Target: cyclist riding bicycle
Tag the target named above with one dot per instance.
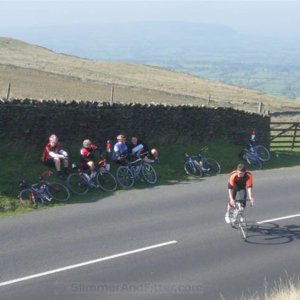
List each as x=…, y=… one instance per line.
x=240, y=180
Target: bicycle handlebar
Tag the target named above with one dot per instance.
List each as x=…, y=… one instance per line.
x=135, y=161
x=143, y=154
x=202, y=150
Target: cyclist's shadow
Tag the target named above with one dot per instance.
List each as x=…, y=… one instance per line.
x=272, y=233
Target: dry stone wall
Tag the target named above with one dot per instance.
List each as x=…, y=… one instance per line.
x=160, y=124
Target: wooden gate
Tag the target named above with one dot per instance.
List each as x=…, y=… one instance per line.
x=285, y=135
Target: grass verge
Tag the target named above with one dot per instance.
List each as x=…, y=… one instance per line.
x=22, y=161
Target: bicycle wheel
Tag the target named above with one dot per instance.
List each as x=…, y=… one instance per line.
x=77, y=184
x=262, y=152
x=242, y=225
x=192, y=169
x=253, y=161
x=232, y=216
x=106, y=181
x=124, y=177
x=211, y=167
x=243, y=154
x=149, y=173
x=58, y=192
x=29, y=199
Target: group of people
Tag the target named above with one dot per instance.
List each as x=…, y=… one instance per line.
x=55, y=157
x=123, y=151
x=240, y=180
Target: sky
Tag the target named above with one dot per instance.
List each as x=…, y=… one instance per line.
x=263, y=17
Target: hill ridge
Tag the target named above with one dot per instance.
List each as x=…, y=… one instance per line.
x=23, y=59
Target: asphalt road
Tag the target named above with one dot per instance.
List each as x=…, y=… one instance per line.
x=166, y=242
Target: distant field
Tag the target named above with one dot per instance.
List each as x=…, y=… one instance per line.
x=274, y=79
x=38, y=73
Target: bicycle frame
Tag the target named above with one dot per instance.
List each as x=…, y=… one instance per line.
x=41, y=191
x=255, y=154
x=238, y=220
x=38, y=191
x=90, y=182
x=252, y=150
x=136, y=168
x=194, y=163
x=200, y=164
x=129, y=174
x=41, y=188
x=203, y=161
x=80, y=182
x=252, y=158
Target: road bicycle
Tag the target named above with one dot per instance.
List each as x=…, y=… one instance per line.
x=38, y=194
x=255, y=155
x=197, y=165
x=134, y=171
x=238, y=219
x=80, y=182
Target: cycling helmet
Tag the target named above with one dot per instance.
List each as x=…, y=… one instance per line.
x=53, y=139
x=154, y=152
x=86, y=143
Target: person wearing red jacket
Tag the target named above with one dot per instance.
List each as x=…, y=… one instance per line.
x=240, y=180
x=87, y=156
x=54, y=156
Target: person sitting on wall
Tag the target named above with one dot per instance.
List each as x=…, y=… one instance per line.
x=54, y=156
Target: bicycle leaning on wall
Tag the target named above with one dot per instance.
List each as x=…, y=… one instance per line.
x=80, y=182
x=255, y=155
x=134, y=171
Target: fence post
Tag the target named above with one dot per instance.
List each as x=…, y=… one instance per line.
x=112, y=94
x=294, y=137
x=8, y=92
x=259, y=107
x=208, y=101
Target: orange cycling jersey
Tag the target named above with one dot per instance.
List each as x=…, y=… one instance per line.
x=240, y=182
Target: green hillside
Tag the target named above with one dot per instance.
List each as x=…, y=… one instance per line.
x=38, y=73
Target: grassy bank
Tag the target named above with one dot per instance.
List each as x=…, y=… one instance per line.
x=22, y=161
x=19, y=160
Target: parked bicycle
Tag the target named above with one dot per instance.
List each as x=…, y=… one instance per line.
x=134, y=171
x=197, y=165
x=80, y=182
x=238, y=219
x=255, y=155
x=38, y=194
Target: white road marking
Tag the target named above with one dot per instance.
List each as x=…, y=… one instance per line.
x=277, y=219
x=86, y=263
